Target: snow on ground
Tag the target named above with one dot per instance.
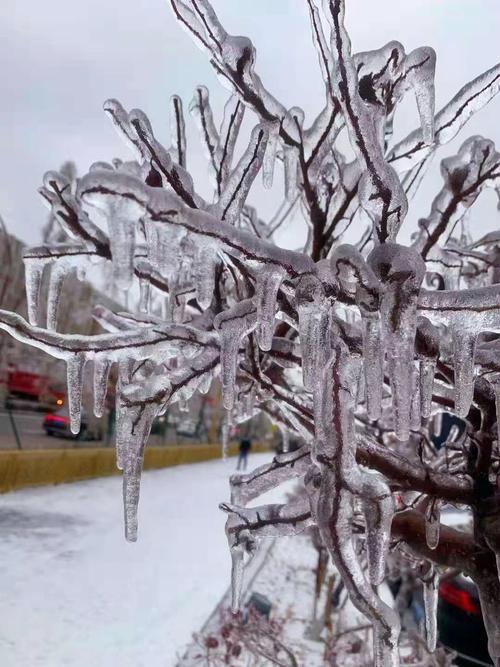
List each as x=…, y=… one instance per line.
x=74, y=593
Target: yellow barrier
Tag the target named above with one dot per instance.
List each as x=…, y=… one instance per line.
x=19, y=469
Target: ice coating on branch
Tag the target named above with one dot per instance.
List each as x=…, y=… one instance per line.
x=245, y=527
x=386, y=74
x=239, y=182
x=231, y=123
x=291, y=155
x=246, y=487
x=340, y=478
x=430, y=590
x=465, y=175
x=75, y=366
x=378, y=509
x=266, y=293
x=232, y=326
x=380, y=192
x=401, y=271
x=178, y=130
x=201, y=110
x=449, y=120
x=314, y=328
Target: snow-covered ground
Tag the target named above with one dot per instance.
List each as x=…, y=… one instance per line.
x=74, y=593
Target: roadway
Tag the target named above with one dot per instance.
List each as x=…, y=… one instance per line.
x=74, y=593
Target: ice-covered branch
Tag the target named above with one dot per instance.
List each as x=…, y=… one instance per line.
x=449, y=120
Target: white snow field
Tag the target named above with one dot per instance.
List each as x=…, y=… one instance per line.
x=74, y=593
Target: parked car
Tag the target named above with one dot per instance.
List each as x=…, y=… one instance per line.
x=460, y=622
x=57, y=424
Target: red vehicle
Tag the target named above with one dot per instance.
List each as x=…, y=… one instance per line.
x=32, y=386
x=57, y=424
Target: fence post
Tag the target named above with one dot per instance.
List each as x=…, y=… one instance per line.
x=14, y=428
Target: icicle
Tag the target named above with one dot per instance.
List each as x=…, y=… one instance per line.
x=237, y=565
x=401, y=270
x=432, y=523
x=314, y=329
x=152, y=233
x=291, y=173
x=57, y=273
x=135, y=431
x=205, y=383
x=361, y=390
x=293, y=123
x=464, y=344
x=144, y=294
x=496, y=389
x=81, y=273
x=415, y=416
x=101, y=373
x=230, y=345
x=204, y=275
x=121, y=432
x=122, y=241
x=427, y=370
x=233, y=325
x=169, y=253
x=183, y=405
x=33, y=269
x=431, y=586
x=266, y=293
x=250, y=401
x=269, y=160
x=75, y=365
x=373, y=358
x=285, y=439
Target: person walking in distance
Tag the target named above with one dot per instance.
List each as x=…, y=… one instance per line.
x=245, y=447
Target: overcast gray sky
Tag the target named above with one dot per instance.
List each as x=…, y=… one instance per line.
x=61, y=59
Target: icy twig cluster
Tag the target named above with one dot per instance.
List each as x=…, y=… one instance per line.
x=353, y=348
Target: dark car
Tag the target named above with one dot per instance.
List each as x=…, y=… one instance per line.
x=57, y=424
x=460, y=622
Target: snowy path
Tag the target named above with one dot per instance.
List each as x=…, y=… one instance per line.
x=74, y=593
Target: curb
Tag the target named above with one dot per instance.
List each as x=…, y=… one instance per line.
x=22, y=469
